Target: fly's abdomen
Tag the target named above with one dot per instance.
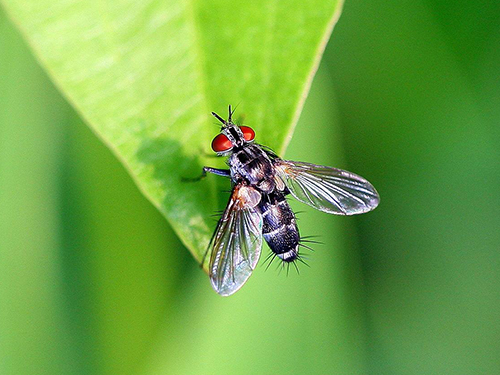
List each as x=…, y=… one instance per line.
x=279, y=226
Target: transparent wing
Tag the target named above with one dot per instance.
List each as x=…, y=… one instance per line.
x=237, y=241
x=327, y=189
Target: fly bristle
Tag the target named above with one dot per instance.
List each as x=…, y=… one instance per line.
x=284, y=264
x=302, y=259
x=309, y=237
x=281, y=266
x=305, y=246
x=296, y=215
x=269, y=259
x=311, y=241
x=217, y=214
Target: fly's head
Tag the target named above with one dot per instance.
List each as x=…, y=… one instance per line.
x=231, y=136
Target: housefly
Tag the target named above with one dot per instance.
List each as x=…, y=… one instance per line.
x=258, y=208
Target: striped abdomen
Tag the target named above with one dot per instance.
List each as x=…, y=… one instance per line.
x=279, y=226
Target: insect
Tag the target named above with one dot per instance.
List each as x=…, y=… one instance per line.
x=258, y=208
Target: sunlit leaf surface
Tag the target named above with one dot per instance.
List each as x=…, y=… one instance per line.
x=146, y=74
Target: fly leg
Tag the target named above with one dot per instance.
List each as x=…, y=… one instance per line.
x=217, y=171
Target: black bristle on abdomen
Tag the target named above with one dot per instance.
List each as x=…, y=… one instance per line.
x=280, y=227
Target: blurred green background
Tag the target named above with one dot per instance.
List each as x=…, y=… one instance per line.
x=94, y=281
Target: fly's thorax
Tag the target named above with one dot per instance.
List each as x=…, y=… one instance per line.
x=253, y=165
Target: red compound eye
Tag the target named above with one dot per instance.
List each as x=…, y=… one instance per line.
x=248, y=133
x=221, y=143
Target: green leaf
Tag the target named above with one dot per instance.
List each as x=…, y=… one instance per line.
x=146, y=74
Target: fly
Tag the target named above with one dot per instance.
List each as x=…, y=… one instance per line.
x=258, y=208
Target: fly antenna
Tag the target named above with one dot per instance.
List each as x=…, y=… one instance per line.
x=220, y=118
x=230, y=118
